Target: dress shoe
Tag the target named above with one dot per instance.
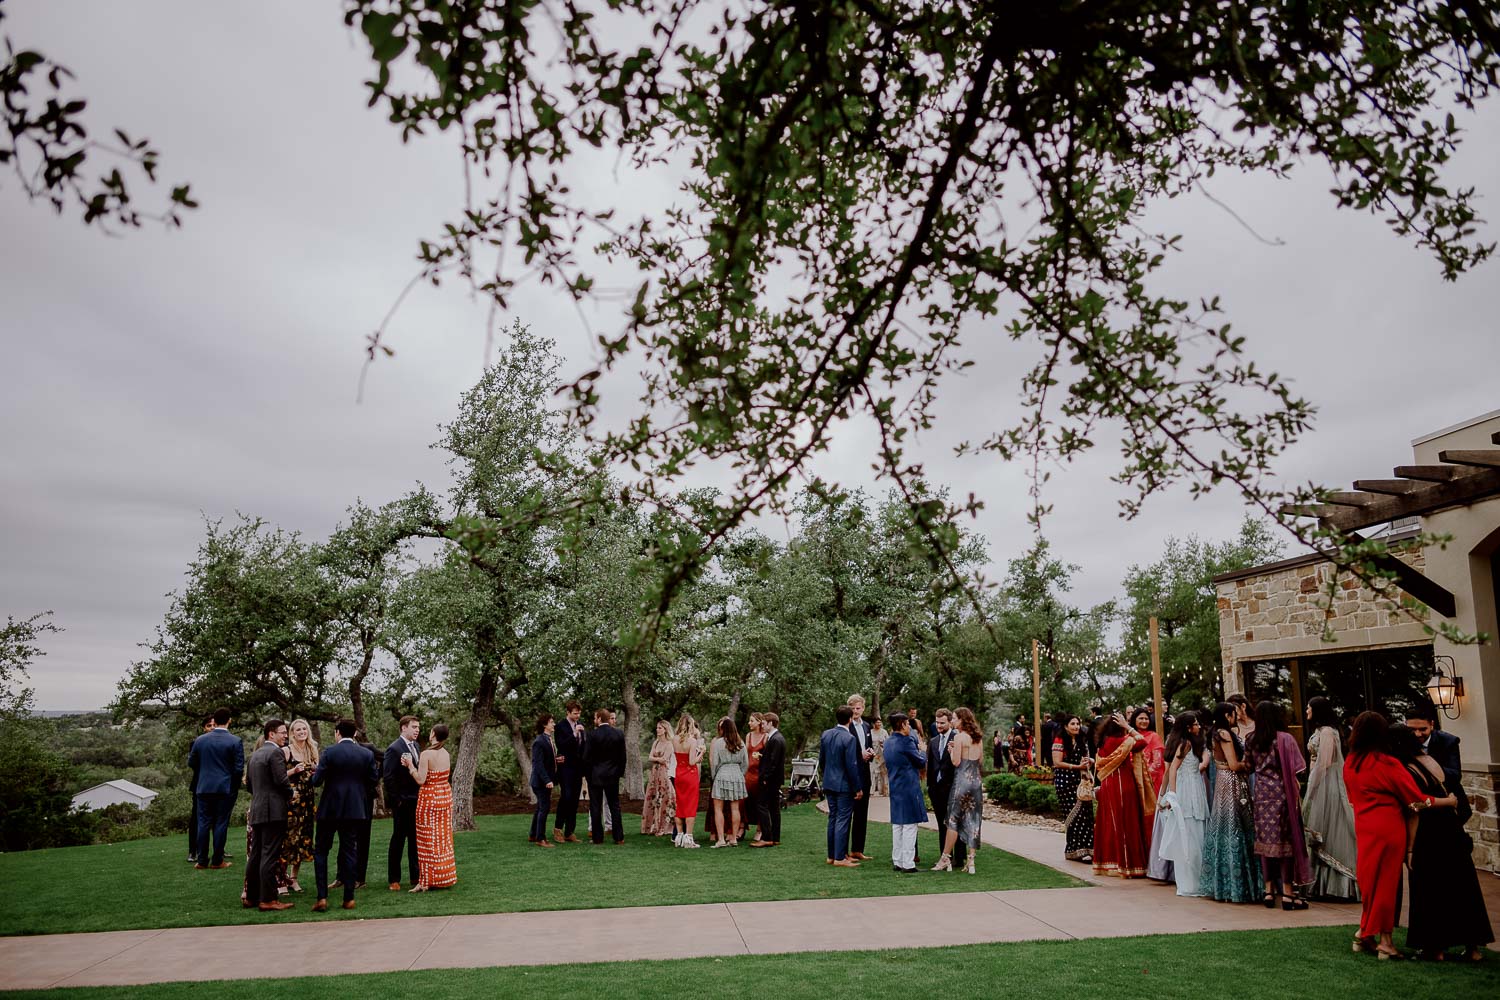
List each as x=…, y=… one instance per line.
x=544, y=843
x=761, y=843
x=846, y=863
x=571, y=839
x=860, y=856
x=348, y=904
x=201, y=868
x=321, y=906
x=395, y=886
x=557, y=834
x=271, y=907
x=221, y=864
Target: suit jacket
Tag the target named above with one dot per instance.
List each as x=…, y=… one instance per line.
x=604, y=754
x=569, y=748
x=370, y=793
x=400, y=786
x=940, y=767
x=218, y=760
x=348, y=775
x=270, y=789
x=543, y=763
x=905, y=764
x=1443, y=748
x=863, y=728
x=773, y=761
x=838, y=759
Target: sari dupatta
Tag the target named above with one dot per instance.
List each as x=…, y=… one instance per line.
x=1289, y=759
x=1126, y=754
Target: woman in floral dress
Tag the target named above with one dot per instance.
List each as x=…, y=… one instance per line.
x=298, y=846
x=661, y=800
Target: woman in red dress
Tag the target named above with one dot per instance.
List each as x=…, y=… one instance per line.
x=1382, y=793
x=1155, y=751
x=435, y=864
x=1125, y=801
x=687, y=745
x=755, y=742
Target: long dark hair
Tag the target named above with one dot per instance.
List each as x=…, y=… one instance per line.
x=1063, y=734
x=731, y=734
x=1108, y=727
x=1320, y=713
x=1367, y=736
x=1401, y=743
x=1180, y=737
x=1269, y=721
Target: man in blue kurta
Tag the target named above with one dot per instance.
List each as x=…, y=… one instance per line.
x=905, y=767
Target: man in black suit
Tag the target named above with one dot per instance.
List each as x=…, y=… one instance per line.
x=362, y=856
x=401, y=799
x=604, y=762
x=940, y=772
x=208, y=725
x=218, y=760
x=347, y=773
x=571, y=741
x=270, y=798
x=860, y=821
x=1443, y=749
x=772, y=777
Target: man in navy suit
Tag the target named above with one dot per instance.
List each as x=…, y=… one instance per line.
x=571, y=740
x=860, y=818
x=401, y=799
x=604, y=758
x=838, y=760
x=208, y=725
x=348, y=773
x=218, y=760
x=1443, y=749
x=940, y=773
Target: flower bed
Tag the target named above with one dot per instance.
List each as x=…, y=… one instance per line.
x=1022, y=792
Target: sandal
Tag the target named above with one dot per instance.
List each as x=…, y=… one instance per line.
x=1364, y=945
x=1389, y=956
x=419, y=887
x=1292, y=903
x=1269, y=900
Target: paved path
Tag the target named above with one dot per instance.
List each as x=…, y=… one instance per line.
x=1112, y=909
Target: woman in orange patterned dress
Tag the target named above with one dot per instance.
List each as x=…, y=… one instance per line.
x=435, y=866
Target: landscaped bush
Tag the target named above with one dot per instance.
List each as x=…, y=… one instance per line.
x=1041, y=798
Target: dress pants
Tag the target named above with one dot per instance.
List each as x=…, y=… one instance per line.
x=904, y=845
x=539, y=816
x=840, y=809
x=403, y=833
x=362, y=855
x=193, y=827
x=348, y=831
x=768, y=805
x=859, y=820
x=939, y=795
x=264, y=862
x=213, y=823
x=571, y=785
x=602, y=793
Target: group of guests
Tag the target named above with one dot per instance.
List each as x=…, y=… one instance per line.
x=746, y=775
x=1220, y=810
x=949, y=761
x=289, y=823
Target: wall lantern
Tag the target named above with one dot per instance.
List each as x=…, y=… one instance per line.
x=1445, y=688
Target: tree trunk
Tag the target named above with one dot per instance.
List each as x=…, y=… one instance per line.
x=635, y=778
x=734, y=707
x=521, y=748
x=357, y=683
x=470, y=741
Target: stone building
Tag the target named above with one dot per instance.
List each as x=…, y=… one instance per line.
x=1294, y=629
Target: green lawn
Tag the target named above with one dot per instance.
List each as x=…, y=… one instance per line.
x=1310, y=964
x=148, y=883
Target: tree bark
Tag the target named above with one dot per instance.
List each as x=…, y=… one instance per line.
x=635, y=779
x=517, y=733
x=470, y=741
x=357, y=682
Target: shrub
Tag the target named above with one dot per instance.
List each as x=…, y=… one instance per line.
x=1041, y=798
x=497, y=770
x=36, y=791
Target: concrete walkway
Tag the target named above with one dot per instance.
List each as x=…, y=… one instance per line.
x=1113, y=909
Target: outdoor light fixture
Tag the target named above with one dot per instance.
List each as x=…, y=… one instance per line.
x=1446, y=687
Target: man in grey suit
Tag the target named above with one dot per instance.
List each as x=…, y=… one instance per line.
x=270, y=796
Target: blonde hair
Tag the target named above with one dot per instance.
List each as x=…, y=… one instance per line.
x=307, y=750
x=685, y=725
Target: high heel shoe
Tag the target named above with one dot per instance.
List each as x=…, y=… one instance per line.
x=969, y=865
x=1294, y=904
x=1269, y=900
x=944, y=864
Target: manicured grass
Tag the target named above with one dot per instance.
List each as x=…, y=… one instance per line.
x=149, y=884
x=1304, y=964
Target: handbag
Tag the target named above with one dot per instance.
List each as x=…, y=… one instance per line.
x=1085, y=786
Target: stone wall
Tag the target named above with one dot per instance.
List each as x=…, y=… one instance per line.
x=1484, y=825
x=1287, y=611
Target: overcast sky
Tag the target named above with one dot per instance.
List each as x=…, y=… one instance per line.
x=152, y=381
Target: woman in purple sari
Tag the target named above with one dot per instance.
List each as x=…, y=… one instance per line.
x=1276, y=760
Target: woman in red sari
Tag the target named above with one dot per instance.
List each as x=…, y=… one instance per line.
x=1125, y=802
x=1155, y=752
x=1382, y=793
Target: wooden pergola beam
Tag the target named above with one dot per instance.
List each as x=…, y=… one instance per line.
x=1484, y=459
x=1394, y=487
x=1428, y=498
x=1428, y=473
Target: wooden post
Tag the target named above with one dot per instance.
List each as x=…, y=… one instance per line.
x=1160, y=713
x=1036, y=698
